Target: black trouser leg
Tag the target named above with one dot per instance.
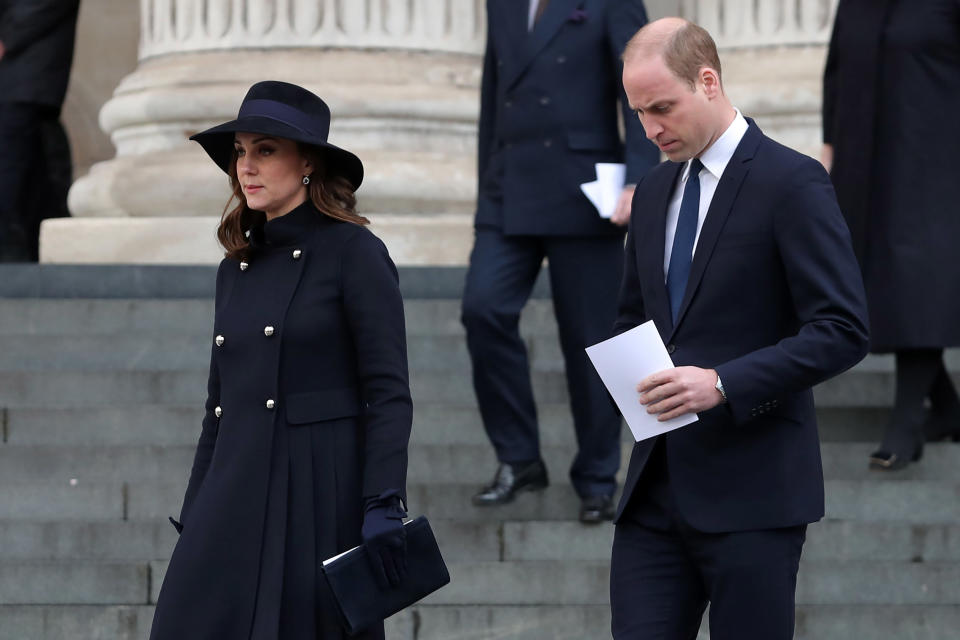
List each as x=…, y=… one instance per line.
x=917, y=370
x=20, y=133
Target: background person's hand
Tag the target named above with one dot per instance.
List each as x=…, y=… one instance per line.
x=674, y=392
x=826, y=157
x=621, y=215
x=385, y=542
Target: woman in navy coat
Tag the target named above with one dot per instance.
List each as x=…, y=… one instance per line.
x=303, y=450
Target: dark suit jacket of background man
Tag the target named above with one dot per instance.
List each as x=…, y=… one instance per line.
x=548, y=113
x=775, y=304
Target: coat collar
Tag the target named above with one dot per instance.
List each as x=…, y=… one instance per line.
x=556, y=14
x=287, y=230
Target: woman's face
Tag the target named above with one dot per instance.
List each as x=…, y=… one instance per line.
x=270, y=171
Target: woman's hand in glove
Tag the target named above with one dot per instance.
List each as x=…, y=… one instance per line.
x=385, y=542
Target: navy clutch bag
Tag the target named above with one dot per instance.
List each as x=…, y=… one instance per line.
x=360, y=599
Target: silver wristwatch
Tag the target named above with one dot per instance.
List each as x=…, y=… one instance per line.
x=719, y=387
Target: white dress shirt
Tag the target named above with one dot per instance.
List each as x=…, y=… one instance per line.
x=532, y=14
x=715, y=160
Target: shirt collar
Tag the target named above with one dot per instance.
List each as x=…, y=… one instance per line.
x=717, y=155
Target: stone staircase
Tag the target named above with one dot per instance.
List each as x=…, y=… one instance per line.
x=102, y=380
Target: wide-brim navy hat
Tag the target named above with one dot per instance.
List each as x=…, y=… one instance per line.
x=282, y=110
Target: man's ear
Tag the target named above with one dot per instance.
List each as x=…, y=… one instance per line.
x=711, y=82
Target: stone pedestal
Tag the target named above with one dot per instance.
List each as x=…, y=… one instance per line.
x=401, y=78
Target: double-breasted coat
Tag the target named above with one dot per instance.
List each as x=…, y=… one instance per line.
x=890, y=104
x=308, y=413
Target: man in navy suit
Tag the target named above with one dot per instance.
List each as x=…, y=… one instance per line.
x=549, y=101
x=739, y=254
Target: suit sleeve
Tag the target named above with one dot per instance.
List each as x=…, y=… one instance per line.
x=27, y=21
x=488, y=109
x=827, y=294
x=624, y=19
x=208, y=430
x=630, y=309
x=374, y=312
x=830, y=72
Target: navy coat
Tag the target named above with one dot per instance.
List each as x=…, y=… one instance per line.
x=548, y=113
x=891, y=95
x=775, y=304
x=38, y=36
x=308, y=412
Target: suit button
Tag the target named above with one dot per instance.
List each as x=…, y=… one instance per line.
x=545, y=100
x=268, y=331
x=271, y=404
x=243, y=265
x=297, y=253
x=561, y=59
x=219, y=340
x=671, y=348
x=548, y=143
x=218, y=412
x=508, y=103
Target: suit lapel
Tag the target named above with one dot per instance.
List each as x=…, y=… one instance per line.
x=546, y=28
x=511, y=19
x=654, y=241
x=720, y=206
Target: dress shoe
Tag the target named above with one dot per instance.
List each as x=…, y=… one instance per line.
x=595, y=509
x=894, y=458
x=511, y=478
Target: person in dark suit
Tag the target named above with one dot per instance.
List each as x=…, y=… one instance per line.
x=303, y=450
x=548, y=114
x=739, y=254
x=891, y=94
x=36, y=52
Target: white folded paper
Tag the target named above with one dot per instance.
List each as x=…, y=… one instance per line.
x=622, y=362
x=604, y=192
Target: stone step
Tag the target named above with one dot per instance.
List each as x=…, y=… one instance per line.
x=489, y=541
x=428, y=463
x=169, y=424
x=73, y=582
x=552, y=582
x=68, y=389
x=425, y=622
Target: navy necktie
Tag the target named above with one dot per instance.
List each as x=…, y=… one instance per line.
x=682, y=254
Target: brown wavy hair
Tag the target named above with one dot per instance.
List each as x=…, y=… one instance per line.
x=331, y=194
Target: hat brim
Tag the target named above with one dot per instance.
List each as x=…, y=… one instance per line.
x=218, y=143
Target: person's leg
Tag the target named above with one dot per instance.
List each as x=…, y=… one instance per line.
x=51, y=180
x=585, y=280
x=655, y=591
x=19, y=131
x=751, y=581
x=500, y=278
x=903, y=440
x=944, y=419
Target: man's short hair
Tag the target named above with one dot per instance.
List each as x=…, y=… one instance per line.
x=685, y=51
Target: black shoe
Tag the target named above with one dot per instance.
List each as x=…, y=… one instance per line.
x=892, y=460
x=940, y=427
x=511, y=478
x=595, y=509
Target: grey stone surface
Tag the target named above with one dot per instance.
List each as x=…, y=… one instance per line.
x=154, y=425
x=90, y=540
x=71, y=622
x=73, y=582
x=61, y=501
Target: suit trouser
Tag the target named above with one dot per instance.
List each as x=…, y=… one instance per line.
x=585, y=277
x=664, y=572
x=22, y=146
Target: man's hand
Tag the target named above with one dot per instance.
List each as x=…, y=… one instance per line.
x=621, y=214
x=675, y=392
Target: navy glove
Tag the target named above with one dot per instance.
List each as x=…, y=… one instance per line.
x=385, y=540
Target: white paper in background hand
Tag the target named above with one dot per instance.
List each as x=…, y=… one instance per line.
x=604, y=192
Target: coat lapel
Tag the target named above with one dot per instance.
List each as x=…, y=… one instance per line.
x=556, y=14
x=654, y=242
x=720, y=206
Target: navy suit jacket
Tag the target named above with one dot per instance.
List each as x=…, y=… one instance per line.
x=548, y=113
x=774, y=303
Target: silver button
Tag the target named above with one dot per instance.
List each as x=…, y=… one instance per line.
x=219, y=340
x=561, y=59
x=548, y=142
x=268, y=331
x=244, y=265
x=271, y=404
x=544, y=101
x=218, y=412
x=297, y=253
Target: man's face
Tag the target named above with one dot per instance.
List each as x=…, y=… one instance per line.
x=676, y=118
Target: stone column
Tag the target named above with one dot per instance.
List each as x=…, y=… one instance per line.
x=401, y=78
